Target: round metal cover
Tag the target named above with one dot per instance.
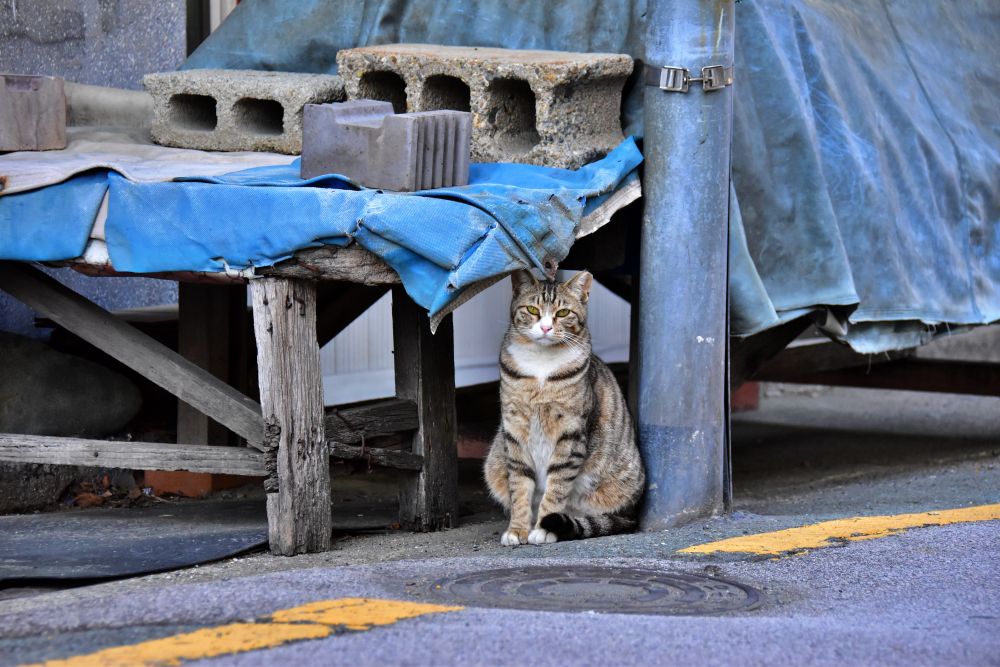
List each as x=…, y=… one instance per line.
x=597, y=589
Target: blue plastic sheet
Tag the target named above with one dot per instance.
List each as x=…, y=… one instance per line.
x=53, y=223
x=439, y=241
x=866, y=147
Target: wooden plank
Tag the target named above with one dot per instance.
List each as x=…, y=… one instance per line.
x=377, y=456
x=352, y=264
x=339, y=304
x=291, y=396
x=130, y=455
x=352, y=425
x=748, y=354
x=205, y=333
x=632, y=388
x=937, y=375
x=133, y=348
x=621, y=285
x=425, y=374
x=813, y=356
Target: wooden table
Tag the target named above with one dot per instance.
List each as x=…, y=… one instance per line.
x=288, y=437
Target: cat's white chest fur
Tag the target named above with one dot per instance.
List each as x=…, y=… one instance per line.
x=540, y=448
x=542, y=361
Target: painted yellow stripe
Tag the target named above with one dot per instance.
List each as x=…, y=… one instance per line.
x=829, y=533
x=315, y=620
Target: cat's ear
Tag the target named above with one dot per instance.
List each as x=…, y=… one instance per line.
x=522, y=279
x=579, y=285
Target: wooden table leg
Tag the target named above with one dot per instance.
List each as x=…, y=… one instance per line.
x=425, y=374
x=298, y=500
x=211, y=331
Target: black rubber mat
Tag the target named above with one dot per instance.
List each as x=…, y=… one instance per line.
x=95, y=544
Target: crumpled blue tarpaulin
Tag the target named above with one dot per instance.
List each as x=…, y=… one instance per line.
x=866, y=148
x=439, y=241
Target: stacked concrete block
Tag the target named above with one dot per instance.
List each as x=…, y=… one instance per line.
x=535, y=107
x=366, y=142
x=236, y=110
x=32, y=113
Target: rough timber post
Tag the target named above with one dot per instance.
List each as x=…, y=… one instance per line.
x=291, y=397
x=425, y=374
x=683, y=266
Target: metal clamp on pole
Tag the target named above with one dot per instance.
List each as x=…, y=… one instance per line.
x=678, y=79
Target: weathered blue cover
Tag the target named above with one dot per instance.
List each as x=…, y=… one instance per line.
x=439, y=241
x=509, y=216
x=866, y=144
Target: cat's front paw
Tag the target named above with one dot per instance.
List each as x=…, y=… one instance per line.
x=513, y=537
x=541, y=536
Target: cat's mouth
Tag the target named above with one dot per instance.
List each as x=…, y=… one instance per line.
x=546, y=340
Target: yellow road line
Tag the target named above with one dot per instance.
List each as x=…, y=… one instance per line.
x=315, y=620
x=828, y=533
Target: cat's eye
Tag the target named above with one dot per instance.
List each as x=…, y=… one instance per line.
x=532, y=310
x=563, y=312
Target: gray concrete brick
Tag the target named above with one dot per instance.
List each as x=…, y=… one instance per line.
x=535, y=107
x=32, y=113
x=235, y=110
x=364, y=141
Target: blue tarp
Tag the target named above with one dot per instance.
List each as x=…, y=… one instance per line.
x=439, y=241
x=866, y=144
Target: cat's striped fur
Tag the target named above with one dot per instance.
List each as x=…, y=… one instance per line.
x=564, y=462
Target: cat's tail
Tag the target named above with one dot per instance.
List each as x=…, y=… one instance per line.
x=568, y=527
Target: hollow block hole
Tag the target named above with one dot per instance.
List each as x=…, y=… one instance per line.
x=511, y=115
x=259, y=116
x=193, y=112
x=445, y=92
x=385, y=86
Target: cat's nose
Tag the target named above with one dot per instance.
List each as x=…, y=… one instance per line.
x=545, y=328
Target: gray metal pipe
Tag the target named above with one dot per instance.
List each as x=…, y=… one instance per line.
x=98, y=106
x=682, y=342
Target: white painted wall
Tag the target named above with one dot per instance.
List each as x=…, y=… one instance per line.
x=218, y=10
x=357, y=364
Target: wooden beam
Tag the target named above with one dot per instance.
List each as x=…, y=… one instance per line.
x=618, y=284
x=133, y=348
x=130, y=455
x=209, y=333
x=352, y=425
x=814, y=356
x=352, y=264
x=339, y=304
x=748, y=354
x=937, y=375
x=386, y=458
x=425, y=374
x=291, y=396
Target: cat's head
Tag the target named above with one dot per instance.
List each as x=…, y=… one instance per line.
x=549, y=312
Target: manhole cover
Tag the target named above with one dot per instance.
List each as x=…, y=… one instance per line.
x=607, y=590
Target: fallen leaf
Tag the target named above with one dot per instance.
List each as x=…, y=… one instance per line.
x=88, y=500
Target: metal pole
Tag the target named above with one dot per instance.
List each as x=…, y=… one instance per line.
x=683, y=267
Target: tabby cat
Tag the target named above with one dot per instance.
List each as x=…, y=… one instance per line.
x=564, y=462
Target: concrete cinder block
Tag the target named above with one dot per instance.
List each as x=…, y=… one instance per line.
x=365, y=141
x=32, y=113
x=235, y=110
x=536, y=107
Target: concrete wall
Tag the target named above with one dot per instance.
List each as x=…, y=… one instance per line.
x=103, y=43
x=100, y=42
